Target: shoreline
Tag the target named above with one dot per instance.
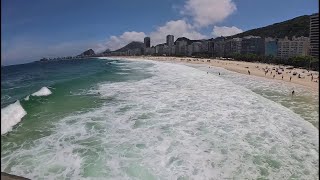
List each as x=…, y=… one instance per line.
x=7, y=176
x=242, y=67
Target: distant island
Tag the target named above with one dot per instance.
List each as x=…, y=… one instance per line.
x=85, y=54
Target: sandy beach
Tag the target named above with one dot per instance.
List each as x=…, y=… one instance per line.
x=255, y=68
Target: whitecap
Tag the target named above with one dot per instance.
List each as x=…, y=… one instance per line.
x=10, y=116
x=180, y=122
x=44, y=91
x=27, y=98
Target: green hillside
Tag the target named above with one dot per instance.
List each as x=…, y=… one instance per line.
x=298, y=26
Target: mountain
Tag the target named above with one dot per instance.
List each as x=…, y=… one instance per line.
x=131, y=46
x=89, y=52
x=298, y=26
x=106, y=51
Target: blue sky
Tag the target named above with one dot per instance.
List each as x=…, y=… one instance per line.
x=42, y=28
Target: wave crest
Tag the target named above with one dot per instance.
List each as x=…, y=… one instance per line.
x=44, y=91
x=10, y=116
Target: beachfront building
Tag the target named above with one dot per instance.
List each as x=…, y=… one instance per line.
x=295, y=47
x=189, y=50
x=210, y=47
x=271, y=47
x=252, y=45
x=232, y=46
x=204, y=46
x=219, y=47
x=172, y=50
x=149, y=51
x=170, y=40
x=160, y=49
x=314, y=35
x=166, y=50
x=146, y=42
x=196, y=47
x=133, y=52
x=181, y=46
x=169, y=49
x=152, y=50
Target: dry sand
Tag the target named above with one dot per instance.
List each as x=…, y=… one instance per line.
x=255, y=68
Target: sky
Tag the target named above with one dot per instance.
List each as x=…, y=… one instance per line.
x=34, y=29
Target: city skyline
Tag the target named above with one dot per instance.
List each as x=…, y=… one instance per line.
x=25, y=40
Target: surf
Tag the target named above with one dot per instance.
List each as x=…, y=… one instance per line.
x=178, y=123
x=12, y=114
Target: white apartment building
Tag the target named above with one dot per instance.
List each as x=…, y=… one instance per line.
x=296, y=47
x=196, y=47
x=314, y=35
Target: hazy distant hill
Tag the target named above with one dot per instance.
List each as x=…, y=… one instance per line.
x=89, y=52
x=131, y=46
x=298, y=26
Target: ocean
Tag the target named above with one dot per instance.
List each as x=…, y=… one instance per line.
x=122, y=119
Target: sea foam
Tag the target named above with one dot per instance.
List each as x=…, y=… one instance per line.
x=10, y=116
x=181, y=123
x=44, y=91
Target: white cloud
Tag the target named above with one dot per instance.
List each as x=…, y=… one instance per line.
x=116, y=42
x=178, y=28
x=208, y=12
x=225, y=31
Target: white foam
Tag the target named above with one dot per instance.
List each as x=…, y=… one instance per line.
x=180, y=122
x=44, y=91
x=27, y=98
x=305, y=103
x=10, y=116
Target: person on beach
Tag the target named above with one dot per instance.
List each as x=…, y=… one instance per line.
x=311, y=77
x=290, y=78
x=292, y=93
x=282, y=77
x=219, y=73
x=248, y=72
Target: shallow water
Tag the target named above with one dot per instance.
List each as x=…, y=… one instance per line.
x=304, y=103
x=154, y=120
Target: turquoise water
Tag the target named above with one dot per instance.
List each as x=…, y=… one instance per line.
x=118, y=119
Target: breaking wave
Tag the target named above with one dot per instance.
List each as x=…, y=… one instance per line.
x=181, y=123
x=10, y=116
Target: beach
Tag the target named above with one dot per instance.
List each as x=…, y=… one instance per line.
x=255, y=68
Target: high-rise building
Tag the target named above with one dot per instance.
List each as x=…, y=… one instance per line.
x=210, y=47
x=181, y=46
x=219, y=47
x=314, y=35
x=147, y=42
x=271, y=47
x=252, y=45
x=196, y=47
x=205, y=46
x=232, y=46
x=170, y=40
x=296, y=47
x=160, y=49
